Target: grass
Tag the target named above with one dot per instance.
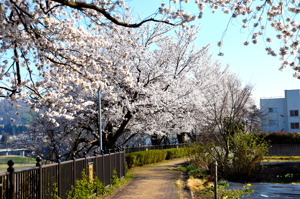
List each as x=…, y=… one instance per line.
x=3, y=168
x=202, y=188
x=17, y=159
x=109, y=190
x=20, y=162
x=281, y=159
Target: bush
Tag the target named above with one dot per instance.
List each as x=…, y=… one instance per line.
x=190, y=168
x=115, y=179
x=246, y=151
x=281, y=137
x=154, y=156
x=176, y=153
x=130, y=160
x=85, y=188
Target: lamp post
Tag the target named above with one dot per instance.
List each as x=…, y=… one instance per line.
x=99, y=109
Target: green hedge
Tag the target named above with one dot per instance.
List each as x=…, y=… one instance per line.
x=281, y=137
x=154, y=156
x=176, y=153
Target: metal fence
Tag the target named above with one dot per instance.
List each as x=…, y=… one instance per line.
x=42, y=180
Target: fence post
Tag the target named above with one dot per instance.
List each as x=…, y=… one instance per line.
x=59, y=176
x=74, y=169
x=39, y=179
x=86, y=164
x=11, y=177
x=120, y=162
x=96, y=164
x=102, y=173
x=124, y=160
x=110, y=171
x=116, y=160
x=216, y=179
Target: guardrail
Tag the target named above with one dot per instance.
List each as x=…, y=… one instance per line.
x=40, y=181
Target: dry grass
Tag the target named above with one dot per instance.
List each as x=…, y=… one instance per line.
x=281, y=158
x=198, y=184
x=178, y=183
x=295, y=183
x=3, y=168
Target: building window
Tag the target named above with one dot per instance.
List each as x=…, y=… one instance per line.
x=294, y=113
x=272, y=110
x=295, y=125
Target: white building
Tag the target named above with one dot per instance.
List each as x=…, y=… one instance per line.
x=281, y=114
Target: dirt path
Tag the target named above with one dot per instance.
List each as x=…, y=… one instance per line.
x=153, y=181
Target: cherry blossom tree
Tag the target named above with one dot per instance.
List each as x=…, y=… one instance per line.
x=55, y=55
x=227, y=107
x=39, y=35
x=147, y=71
x=155, y=85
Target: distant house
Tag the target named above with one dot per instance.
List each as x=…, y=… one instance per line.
x=281, y=114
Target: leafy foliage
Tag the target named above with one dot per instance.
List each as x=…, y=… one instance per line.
x=223, y=182
x=145, y=157
x=55, y=192
x=281, y=137
x=176, y=153
x=86, y=187
x=115, y=179
x=246, y=152
x=154, y=156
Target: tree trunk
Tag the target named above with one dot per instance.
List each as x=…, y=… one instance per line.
x=112, y=139
x=154, y=139
x=181, y=138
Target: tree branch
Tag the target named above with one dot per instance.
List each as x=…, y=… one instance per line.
x=82, y=5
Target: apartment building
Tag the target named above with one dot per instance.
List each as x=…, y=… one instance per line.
x=281, y=114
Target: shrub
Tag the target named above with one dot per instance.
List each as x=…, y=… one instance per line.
x=85, y=188
x=223, y=183
x=281, y=137
x=246, y=151
x=190, y=168
x=115, y=179
x=154, y=156
x=176, y=153
x=130, y=160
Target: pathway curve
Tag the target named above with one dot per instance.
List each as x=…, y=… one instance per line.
x=152, y=181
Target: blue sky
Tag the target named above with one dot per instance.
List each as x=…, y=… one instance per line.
x=251, y=63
